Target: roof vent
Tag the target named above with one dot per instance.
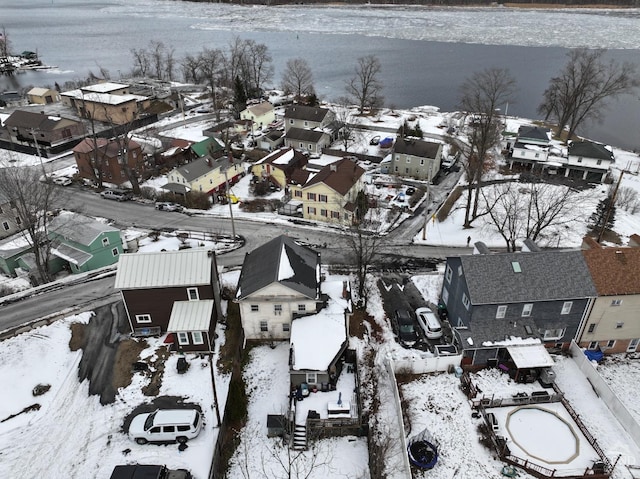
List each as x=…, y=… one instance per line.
x=516, y=267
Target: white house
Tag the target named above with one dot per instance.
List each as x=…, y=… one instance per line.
x=588, y=160
x=280, y=281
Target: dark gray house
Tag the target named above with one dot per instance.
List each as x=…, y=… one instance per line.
x=495, y=299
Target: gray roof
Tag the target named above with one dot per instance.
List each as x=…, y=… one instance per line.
x=71, y=254
x=533, y=133
x=79, y=228
x=313, y=136
x=544, y=276
x=266, y=264
x=309, y=113
x=13, y=245
x=588, y=149
x=200, y=167
x=419, y=148
x=164, y=269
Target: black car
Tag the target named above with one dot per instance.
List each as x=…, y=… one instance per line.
x=144, y=471
x=404, y=328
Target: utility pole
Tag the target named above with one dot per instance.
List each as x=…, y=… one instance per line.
x=35, y=140
x=427, y=210
x=612, y=202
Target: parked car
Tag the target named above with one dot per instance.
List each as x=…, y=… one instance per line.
x=118, y=195
x=166, y=425
x=403, y=327
x=62, y=181
x=375, y=140
x=165, y=206
x=429, y=323
x=147, y=471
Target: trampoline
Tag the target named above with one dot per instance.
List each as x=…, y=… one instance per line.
x=422, y=450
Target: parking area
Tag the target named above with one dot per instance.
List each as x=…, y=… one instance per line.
x=400, y=294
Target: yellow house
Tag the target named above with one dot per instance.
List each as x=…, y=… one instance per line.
x=43, y=96
x=331, y=195
x=206, y=175
x=282, y=167
x=261, y=114
x=613, y=323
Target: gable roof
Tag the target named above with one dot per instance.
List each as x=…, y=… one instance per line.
x=283, y=158
x=260, y=109
x=38, y=91
x=339, y=176
x=79, y=228
x=109, y=148
x=40, y=121
x=543, y=276
x=533, y=133
x=200, y=167
x=310, y=136
x=303, y=112
x=164, y=269
x=207, y=146
x=284, y=261
x=419, y=148
x=615, y=271
x=590, y=149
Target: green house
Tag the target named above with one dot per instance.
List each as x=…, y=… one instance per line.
x=209, y=146
x=83, y=244
x=12, y=249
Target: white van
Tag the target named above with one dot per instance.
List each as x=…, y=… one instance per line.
x=429, y=323
x=166, y=425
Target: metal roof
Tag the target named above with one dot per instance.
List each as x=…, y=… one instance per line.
x=71, y=254
x=79, y=228
x=530, y=356
x=164, y=269
x=191, y=315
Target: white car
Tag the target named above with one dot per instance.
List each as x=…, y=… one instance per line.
x=429, y=323
x=62, y=180
x=164, y=206
x=166, y=425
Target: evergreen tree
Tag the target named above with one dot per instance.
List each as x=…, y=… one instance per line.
x=239, y=96
x=417, y=131
x=604, y=215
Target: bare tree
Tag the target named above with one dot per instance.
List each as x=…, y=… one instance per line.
x=347, y=121
x=297, y=78
x=141, y=61
x=521, y=211
x=5, y=44
x=191, y=68
x=169, y=63
x=581, y=91
x=481, y=96
x=210, y=66
x=31, y=200
x=157, y=50
x=365, y=86
x=260, y=68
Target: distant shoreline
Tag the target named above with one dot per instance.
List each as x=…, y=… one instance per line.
x=621, y=4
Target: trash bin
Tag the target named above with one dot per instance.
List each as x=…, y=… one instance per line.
x=457, y=371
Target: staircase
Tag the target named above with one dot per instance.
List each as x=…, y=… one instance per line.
x=300, y=438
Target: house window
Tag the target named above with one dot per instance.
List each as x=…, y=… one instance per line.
x=526, y=310
x=322, y=198
x=310, y=147
x=312, y=378
x=501, y=312
x=143, y=318
x=277, y=309
x=298, y=194
x=18, y=220
x=579, y=159
x=537, y=155
x=311, y=196
x=616, y=302
x=633, y=345
x=311, y=210
x=599, y=162
x=460, y=270
x=301, y=145
x=306, y=123
x=115, y=252
x=254, y=308
x=593, y=345
x=449, y=274
x=291, y=121
x=566, y=307
x=406, y=171
x=335, y=215
x=105, y=241
x=286, y=327
x=445, y=295
x=460, y=323
x=396, y=168
x=619, y=324
x=408, y=160
x=611, y=343
x=422, y=162
x=465, y=301
x=192, y=294
x=302, y=308
x=263, y=326
x=592, y=328
x=323, y=213
x=5, y=225
x=183, y=338
x=552, y=334
x=197, y=337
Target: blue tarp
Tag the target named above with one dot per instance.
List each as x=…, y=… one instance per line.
x=594, y=355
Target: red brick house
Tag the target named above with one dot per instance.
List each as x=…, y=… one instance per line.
x=108, y=155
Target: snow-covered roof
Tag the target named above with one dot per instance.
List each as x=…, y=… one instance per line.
x=105, y=87
x=530, y=356
x=317, y=339
x=103, y=98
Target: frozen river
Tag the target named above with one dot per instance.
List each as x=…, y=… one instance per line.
x=426, y=52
